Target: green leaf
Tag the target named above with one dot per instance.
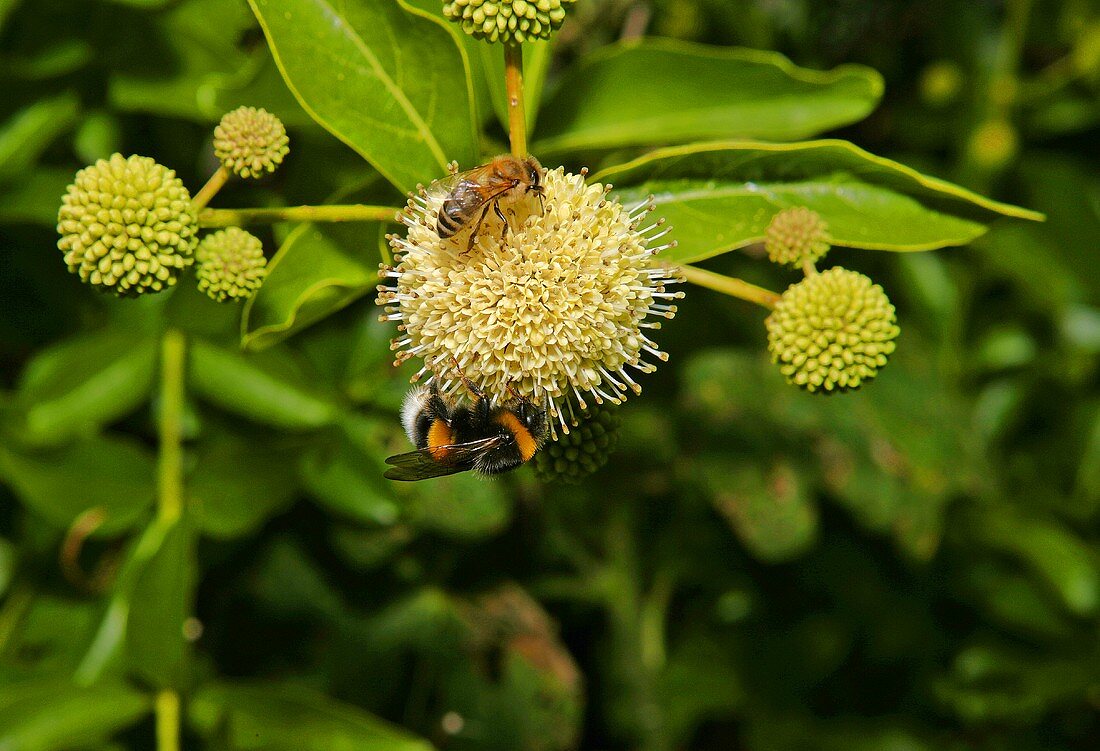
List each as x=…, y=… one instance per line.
x=278, y=718
x=63, y=57
x=771, y=513
x=160, y=601
x=82, y=384
x=461, y=505
x=389, y=82
x=34, y=198
x=721, y=196
x=26, y=135
x=195, y=59
x=8, y=563
x=350, y=482
x=262, y=387
x=1050, y=550
x=155, y=567
x=310, y=277
x=51, y=714
x=662, y=91
x=237, y=485
x=105, y=472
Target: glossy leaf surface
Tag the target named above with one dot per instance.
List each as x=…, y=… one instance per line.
x=721, y=196
x=389, y=82
x=661, y=91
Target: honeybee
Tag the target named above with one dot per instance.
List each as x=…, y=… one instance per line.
x=506, y=179
x=450, y=438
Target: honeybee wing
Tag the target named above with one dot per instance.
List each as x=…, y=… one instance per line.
x=422, y=465
x=479, y=181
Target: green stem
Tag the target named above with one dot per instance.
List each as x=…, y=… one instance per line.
x=513, y=83
x=213, y=185
x=173, y=365
x=167, y=709
x=346, y=213
x=170, y=464
x=729, y=285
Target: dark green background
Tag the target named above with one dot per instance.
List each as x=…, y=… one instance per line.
x=912, y=566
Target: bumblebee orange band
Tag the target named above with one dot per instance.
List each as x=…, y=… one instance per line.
x=439, y=437
x=524, y=440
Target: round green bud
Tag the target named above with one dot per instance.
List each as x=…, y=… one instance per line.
x=127, y=225
x=585, y=449
x=832, y=331
x=250, y=142
x=993, y=144
x=796, y=235
x=507, y=20
x=230, y=264
x=940, y=83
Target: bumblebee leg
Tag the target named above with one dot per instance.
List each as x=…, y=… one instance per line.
x=472, y=388
x=438, y=408
x=477, y=229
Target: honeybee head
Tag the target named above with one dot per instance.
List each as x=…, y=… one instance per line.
x=534, y=174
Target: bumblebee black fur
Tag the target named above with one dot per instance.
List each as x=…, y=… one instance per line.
x=480, y=436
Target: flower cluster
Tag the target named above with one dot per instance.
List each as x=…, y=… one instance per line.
x=832, y=331
x=230, y=264
x=507, y=20
x=127, y=225
x=557, y=304
x=249, y=142
x=582, y=451
x=796, y=236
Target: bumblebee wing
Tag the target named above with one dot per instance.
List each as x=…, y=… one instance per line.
x=423, y=465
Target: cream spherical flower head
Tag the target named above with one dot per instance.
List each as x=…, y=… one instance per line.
x=832, y=331
x=230, y=264
x=250, y=142
x=554, y=307
x=127, y=225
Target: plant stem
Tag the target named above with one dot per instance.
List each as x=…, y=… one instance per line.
x=167, y=709
x=173, y=362
x=513, y=81
x=170, y=460
x=346, y=213
x=213, y=185
x=729, y=285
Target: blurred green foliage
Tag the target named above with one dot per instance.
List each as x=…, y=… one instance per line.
x=912, y=566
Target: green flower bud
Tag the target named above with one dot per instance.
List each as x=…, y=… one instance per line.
x=795, y=236
x=585, y=449
x=127, y=225
x=250, y=141
x=230, y=264
x=507, y=20
x=832, y=331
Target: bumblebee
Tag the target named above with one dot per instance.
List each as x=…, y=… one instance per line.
x=450, y=438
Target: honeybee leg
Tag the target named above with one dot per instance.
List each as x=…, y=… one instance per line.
x=496, y=209
x=477, y=229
